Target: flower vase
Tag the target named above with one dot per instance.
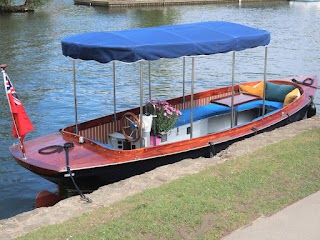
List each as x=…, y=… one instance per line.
x=155, y=140
x=163, y=136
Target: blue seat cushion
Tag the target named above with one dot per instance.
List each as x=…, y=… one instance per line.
x=214, y=109
x=258, y=104
x=201, y=113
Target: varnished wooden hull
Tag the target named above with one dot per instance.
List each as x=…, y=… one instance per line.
x=93, y=178
x=94, y=165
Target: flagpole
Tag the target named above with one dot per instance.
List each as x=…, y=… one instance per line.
x=3, y=67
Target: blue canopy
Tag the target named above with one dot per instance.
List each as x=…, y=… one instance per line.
x=171, y=41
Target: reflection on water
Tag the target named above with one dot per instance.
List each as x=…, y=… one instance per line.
x=30, y=45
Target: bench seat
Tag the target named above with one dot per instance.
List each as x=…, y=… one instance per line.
x=259, y=103
x=202, y=112
x=214, y=109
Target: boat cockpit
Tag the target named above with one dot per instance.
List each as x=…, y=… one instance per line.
x=211, y=114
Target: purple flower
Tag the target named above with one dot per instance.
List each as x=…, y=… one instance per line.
x=167, y=115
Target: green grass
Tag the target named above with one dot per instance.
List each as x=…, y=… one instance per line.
x=210, y=204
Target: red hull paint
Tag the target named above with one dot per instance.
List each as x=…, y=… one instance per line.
x=46, y=199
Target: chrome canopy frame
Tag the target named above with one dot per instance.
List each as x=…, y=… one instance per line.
x=233, y=114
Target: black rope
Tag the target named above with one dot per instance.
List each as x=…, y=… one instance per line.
x=307, y=82
x=58, y=149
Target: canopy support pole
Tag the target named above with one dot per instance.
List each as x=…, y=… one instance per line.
x=191, y=100
x=141, y=103
x=184, y=82
x=114, y=92
x=75, y=96
x=150, y=80
x=265, y=80
x=232, y=89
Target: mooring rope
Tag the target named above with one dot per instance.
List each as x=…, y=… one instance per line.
x=307, y=82
x=58, y=149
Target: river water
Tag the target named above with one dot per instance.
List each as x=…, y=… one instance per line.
x=30, y=46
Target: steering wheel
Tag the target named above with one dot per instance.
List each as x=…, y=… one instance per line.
x=130, y=127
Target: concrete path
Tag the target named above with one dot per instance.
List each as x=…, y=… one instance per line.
x=300, y=221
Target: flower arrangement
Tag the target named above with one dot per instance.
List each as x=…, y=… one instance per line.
x=167, y=116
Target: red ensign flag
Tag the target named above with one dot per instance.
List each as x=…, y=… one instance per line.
x=21, y=121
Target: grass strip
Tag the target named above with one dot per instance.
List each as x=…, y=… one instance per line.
x=210, y=204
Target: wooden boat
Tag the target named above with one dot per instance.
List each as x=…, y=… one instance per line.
x=120, y=145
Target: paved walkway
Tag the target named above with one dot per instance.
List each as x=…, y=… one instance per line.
x=300, y=221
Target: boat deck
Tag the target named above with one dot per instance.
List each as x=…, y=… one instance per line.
x=78, y=155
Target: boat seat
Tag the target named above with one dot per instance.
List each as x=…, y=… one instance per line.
x=201, y=112
x=214, y=109
x=258, y=104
